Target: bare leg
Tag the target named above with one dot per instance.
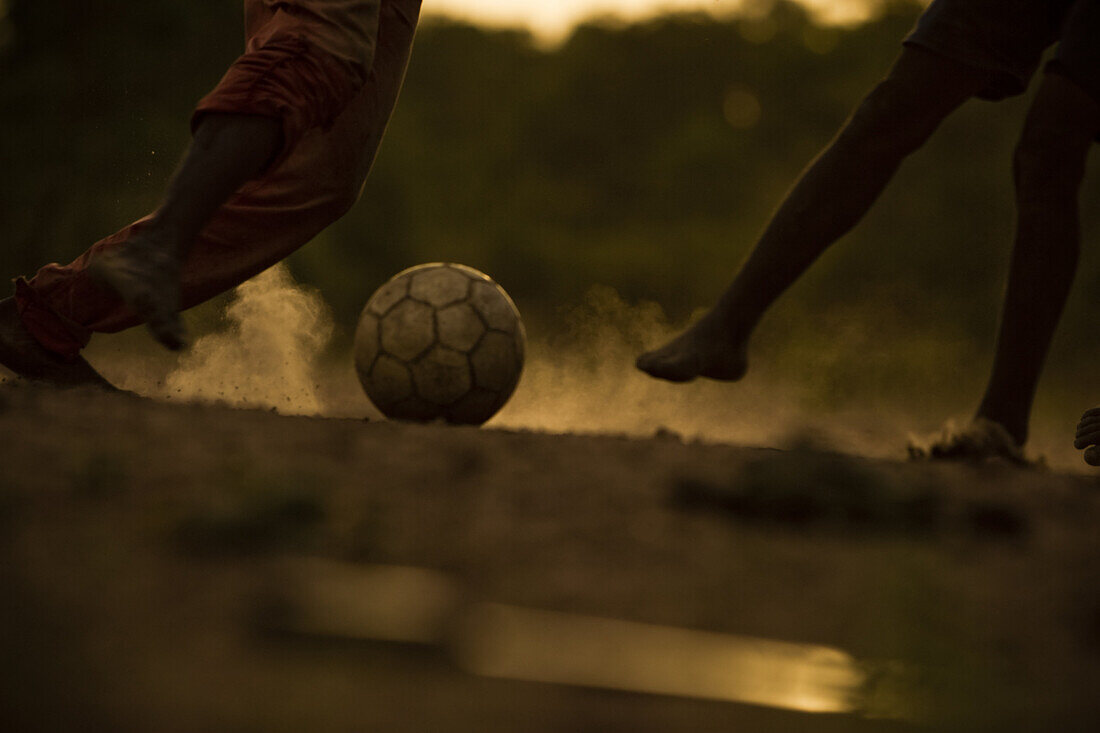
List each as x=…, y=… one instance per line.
x=1049, y=165
x=833, y=194
x=228, y=150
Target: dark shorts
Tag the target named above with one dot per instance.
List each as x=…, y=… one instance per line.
x=1007, y=38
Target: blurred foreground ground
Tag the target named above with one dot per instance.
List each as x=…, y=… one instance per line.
x=140, y=540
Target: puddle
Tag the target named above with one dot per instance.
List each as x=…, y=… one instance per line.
x=420, y=606
x=547, y=646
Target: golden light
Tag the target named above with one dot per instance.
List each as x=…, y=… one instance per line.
x=560, y=648
x=422, y=606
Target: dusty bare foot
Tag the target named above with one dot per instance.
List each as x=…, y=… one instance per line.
x=704, y=350
x=981, y=440
x=145, y=274
x=22, y=354
x=1088, y=436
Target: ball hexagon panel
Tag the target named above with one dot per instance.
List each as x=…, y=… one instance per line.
x=408, y=330
x=493, y=305
x=440, y=340
x=439, y=286
x=442, y=376
x=366, y=341
x=389, y=382
x=413, y=408
x=474, y=408
x=459, y=326
x=495, y=365
x=388, y=296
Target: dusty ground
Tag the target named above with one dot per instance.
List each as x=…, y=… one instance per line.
x=137, y=537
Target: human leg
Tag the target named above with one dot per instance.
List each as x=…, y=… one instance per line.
x=308, y=188
x=228, y=150
x=832, y=195
x=280, y=88
x=1056, y=148
x=1048, y=168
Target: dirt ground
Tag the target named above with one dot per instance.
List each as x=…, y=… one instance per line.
x=140, y=540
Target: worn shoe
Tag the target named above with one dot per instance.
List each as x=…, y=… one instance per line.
x=147, y=280
x=21, y=353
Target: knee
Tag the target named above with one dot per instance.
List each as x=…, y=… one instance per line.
x=1048, y=160
x=891, y=121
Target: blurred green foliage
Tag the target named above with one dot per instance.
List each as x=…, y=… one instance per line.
x=642, y=156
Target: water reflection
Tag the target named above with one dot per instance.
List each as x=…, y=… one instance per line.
x=545, y=646
x=416, y=605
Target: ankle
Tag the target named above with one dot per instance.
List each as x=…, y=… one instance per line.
x=726, y=325
x=1016, y=428
x=734, y=315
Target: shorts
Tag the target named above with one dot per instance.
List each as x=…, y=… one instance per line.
x=1078, y=54
x=333, y=121
x=287, y=78
x=1007, y=38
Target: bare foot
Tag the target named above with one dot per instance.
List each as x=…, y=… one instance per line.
x=1088, y=436
x=707, y=349
x=980, y=441
x=21, y=353
x=144, y=272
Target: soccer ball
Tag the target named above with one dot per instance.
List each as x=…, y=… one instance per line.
x=440, y=341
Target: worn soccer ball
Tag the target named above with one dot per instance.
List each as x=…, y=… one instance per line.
x=440, y=341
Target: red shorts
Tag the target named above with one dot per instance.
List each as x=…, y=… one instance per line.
x=288, y=79
x=333, y=114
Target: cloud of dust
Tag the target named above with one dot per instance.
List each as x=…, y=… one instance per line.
x=585, y=381
x=266, y=356
x=270, y=354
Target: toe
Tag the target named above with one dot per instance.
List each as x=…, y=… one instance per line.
x=1088, y=424
x=650, y=362
x=662, y=366
x=1087, y=436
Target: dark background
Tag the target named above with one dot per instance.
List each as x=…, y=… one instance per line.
x=631, y=156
